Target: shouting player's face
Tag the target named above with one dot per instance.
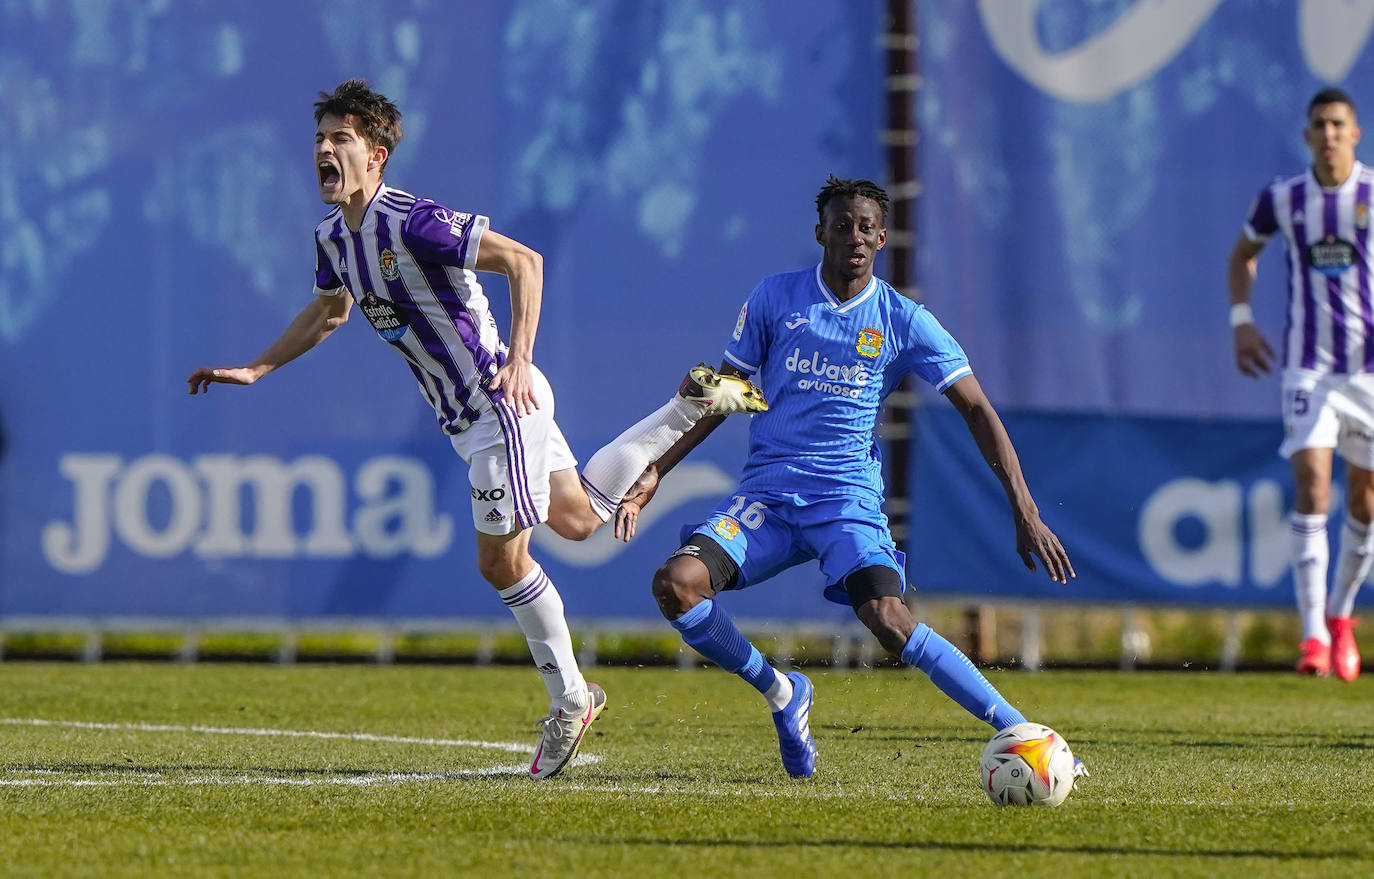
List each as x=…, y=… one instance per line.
x=344, y=162
x=851, y=235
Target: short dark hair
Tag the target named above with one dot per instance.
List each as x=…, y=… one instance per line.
x=836, y=187
x=378, y=120
x=1331, y=96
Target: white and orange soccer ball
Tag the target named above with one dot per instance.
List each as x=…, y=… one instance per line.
x=1028, y=764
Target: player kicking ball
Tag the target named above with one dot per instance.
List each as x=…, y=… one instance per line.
x=827, y=343
x=409, y=263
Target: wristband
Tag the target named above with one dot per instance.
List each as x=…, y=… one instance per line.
x=1241, y=313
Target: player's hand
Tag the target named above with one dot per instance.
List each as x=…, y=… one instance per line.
x=1254, y=357
x=517, y=380
x=639, y=495
x=202, y=378
x=1035, y=540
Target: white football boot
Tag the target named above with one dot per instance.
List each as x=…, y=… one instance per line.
x=563, y=734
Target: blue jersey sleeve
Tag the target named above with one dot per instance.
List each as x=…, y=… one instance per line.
x=930, y=352
x=749, y=342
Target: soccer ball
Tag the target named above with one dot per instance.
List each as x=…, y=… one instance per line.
x=1027, y=764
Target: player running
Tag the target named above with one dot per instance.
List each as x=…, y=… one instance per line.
x=409, y=264
x=827, y=344
x=1323, y=215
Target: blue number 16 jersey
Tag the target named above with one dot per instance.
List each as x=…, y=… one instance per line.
x=825, y=366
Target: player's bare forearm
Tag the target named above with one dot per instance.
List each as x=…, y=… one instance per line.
x=1033, y=538
x=315, y=323
x=524, y=271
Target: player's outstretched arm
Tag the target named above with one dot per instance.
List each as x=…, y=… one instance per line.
x=1034, y=539
x=1254, y=357
x=524, y=270
x=312, y=326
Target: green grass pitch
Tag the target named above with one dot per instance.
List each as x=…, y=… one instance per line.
x=129, y=769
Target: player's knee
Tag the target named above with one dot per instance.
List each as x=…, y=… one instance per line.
x=890, y=621
x=575, y=526
x=875, y=593
x=677, y=587
x=499, y=569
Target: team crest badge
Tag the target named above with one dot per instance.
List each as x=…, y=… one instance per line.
x=870, y=342
x=1362, y=215
x=390, y=270
x=727, y=528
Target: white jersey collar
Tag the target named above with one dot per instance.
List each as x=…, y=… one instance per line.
x=852, y=303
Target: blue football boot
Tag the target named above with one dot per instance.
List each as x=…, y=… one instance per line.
x=794, y=729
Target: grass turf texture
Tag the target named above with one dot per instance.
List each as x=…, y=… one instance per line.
x=1193, y=775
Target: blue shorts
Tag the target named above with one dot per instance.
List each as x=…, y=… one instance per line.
x=765, y=533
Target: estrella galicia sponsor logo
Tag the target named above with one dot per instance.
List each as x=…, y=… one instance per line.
x=388, y=320
x=829, y=378
x=387, y=263
x=870, y=342
x=489, y=494
x=457, y=221
x=727, y=528
x=1331, y=256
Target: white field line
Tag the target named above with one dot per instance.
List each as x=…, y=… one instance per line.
x=515, y=747
x=354, y=780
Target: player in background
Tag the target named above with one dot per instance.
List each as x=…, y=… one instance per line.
x=1328, y=355
x=827, y=344
x=409, y=264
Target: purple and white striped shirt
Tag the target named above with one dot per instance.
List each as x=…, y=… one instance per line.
x=410, y=270
x=1330, y=326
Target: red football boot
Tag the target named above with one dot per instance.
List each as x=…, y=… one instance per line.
x=1345, y=656
x=1315, y=659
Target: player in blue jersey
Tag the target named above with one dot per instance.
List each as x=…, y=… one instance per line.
x=826, y=344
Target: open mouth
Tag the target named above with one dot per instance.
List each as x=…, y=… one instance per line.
x=330, y=175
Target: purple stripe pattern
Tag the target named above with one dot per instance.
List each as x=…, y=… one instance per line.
x=1309, y=301
x=1362, y=192
x=526, y=516
x=531, y=592
x=1333, y=289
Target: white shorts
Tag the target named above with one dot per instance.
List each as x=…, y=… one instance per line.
x=509, y=462
x=1329, y=412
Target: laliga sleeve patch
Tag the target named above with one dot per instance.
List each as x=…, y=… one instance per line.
x=739, y=324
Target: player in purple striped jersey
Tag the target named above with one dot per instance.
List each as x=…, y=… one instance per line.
x=1324, y=217
x=409, y=263
x=829, y=342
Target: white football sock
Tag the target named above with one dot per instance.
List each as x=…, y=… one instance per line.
x=1357, y=553
x=1310, y=554
x=615, y=467
x=538, y=609
x=780, y=693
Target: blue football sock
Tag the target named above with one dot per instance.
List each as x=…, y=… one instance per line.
x=950, y=670
x=708, y=630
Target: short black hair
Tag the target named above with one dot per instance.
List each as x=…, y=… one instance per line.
x=1331, y=96
x=378, y=120
x=836, y=187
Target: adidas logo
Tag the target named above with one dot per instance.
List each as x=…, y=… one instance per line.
x=548, y=668
x=495, y=516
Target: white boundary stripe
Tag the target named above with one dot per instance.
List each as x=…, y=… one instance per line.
x=346, y=780
x=515, y=747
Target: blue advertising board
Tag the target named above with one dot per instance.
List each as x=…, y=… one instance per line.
x=157, y=202
x=1085, y=169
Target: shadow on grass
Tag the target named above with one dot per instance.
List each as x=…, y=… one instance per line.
x=1017, y=848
